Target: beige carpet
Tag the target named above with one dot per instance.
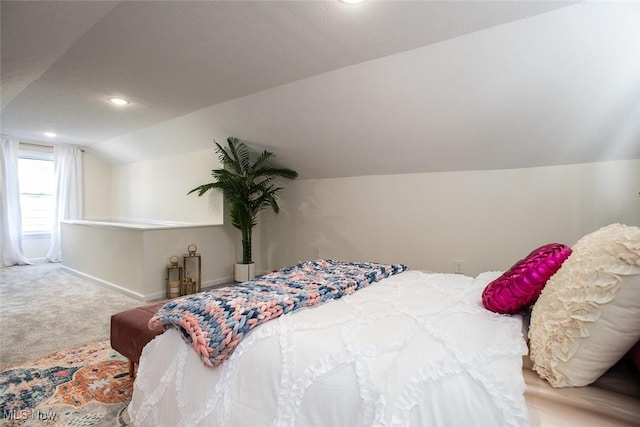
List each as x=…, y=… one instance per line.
x=44, y=309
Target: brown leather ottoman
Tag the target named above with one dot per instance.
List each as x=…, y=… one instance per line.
x=130, y=332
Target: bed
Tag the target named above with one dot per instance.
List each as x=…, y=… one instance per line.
x=411, y=349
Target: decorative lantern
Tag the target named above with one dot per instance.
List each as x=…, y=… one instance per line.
x=174, y=278
x=191, y=263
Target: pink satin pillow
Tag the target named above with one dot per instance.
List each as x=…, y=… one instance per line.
x=521, y=285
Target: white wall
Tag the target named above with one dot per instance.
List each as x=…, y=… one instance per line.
x=215, y=245
x=488, y=219
x=35, y=248
x=154, y=190
x=134, y=261
x=96, y=186
x=113, y=257
x=157, y=189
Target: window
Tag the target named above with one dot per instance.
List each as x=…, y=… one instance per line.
x=37, y=183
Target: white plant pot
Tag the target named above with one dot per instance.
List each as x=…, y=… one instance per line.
x=244, y=272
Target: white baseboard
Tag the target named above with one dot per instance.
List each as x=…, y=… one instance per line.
x=217, y=282
x=106, y=284
x=159, y=295
x=209, y=284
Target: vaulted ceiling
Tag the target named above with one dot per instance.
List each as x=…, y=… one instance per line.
x=334, y=89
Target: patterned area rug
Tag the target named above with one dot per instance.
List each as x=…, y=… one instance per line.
x=86, y=386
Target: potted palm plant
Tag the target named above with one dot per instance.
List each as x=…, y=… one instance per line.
x=247, y=183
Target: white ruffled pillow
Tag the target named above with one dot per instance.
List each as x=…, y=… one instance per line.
x=588, y=315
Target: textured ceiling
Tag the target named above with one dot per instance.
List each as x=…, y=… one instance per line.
x=61, y=60
x=384, y=87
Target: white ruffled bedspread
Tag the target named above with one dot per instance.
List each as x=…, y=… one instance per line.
x=415, y=349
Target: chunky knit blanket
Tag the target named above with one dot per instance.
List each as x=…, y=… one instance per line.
x=214, y=322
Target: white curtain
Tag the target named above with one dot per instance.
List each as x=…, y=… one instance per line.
x=10, y=214
x=67, y=163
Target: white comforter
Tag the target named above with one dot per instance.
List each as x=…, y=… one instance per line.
x=415, y=349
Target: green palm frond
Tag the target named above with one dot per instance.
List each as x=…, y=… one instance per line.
x=240, y=154
x=204, y=188
x=225, y=159
x=278, y=172
x=264, y=160
x=247, y=186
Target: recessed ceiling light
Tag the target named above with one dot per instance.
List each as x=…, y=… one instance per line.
x=50, y=134
x=352, y=1
x=118, y=101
